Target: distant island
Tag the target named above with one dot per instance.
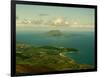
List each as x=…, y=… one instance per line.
x=54, y=33
x=42, y=59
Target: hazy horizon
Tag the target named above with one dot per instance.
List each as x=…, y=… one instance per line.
x=51, y=17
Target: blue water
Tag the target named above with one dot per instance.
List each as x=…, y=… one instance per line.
x=83, y=41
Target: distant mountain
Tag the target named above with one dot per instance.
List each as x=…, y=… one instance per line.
x=54, y=33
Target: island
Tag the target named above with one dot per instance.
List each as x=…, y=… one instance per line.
x=54, y=33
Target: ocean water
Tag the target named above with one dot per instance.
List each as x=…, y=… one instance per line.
x=81, y=40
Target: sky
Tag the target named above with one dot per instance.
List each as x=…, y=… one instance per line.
x=46, y=17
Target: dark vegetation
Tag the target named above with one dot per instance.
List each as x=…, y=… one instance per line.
x=41, y=59
x=54, y=33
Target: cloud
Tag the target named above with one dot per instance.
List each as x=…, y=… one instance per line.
x=17, y=17
x=53, y=22
x=43, y=14
x=38, y=21
x=58, y=22
x=27, y=21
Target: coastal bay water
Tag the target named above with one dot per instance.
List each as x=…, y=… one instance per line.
x=81, y=40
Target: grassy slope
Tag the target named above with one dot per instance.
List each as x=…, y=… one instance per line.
x=32, y=59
